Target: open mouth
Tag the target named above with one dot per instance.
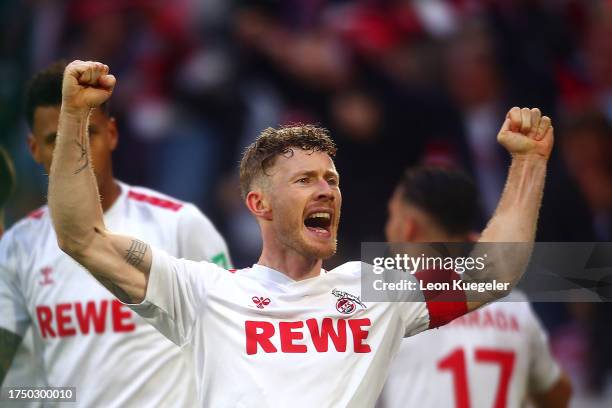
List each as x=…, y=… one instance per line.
x=319, y=223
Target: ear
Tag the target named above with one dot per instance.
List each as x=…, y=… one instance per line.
x=258, y=205
x=113, y=133
x=34, y=148
x=410, y=228
x=473, y=236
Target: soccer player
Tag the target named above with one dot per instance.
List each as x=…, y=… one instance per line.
x=496, y=356
x=284, y=332
x=88, y=339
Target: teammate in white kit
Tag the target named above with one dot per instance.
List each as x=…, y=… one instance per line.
x=86, y=337
x=284, y=332
x=497, y=356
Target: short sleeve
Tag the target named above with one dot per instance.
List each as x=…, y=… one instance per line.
x=175, y=296
x=199, y=240
x=14, y=317
x=415, y=317
x=544, y=371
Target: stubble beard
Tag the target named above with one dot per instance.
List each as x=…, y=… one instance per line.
x=292, y=237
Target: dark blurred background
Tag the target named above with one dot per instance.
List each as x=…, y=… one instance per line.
x=397, y=82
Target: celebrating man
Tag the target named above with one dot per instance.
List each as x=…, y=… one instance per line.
x=284, y=332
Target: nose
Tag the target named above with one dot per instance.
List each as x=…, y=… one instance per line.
x=324, y=191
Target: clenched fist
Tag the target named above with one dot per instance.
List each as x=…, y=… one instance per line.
x=86, y=85
x=526, y=132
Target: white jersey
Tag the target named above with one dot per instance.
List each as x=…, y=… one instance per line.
x=258, y=338
x=492, y=357
x=86, y=337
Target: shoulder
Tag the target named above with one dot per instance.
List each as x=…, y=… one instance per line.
x=29, y=227
x=160, y=205
x=516, y=306
x=353, y=267
x=240, y=272
x=25, y=234
x=515, y=303
x=151, y=199
x=346, y=271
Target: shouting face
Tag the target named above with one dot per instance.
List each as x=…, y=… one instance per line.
x=303, y=198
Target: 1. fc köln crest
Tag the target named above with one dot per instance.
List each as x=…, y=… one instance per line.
x=347, y=303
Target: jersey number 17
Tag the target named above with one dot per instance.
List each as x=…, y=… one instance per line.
x=455, y=363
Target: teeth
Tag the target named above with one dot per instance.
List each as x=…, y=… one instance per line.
x=319, y=215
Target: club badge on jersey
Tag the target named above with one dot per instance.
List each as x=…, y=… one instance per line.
x=347, y=303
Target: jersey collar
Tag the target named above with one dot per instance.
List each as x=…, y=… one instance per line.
x=269, y=274
x=110, y=214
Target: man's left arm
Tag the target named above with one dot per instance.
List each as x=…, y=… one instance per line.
x=528, y=137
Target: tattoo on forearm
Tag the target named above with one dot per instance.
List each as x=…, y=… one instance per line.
x=84, y=158
x=135, y=254
x=81, y=143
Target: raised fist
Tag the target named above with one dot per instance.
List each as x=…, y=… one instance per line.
x=86, y=85
x=526, y=132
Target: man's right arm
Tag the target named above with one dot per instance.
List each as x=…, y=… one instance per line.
x=118, y=262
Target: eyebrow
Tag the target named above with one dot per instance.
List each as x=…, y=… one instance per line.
x=313, y=173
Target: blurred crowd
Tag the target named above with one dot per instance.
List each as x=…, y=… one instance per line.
x=397, y=82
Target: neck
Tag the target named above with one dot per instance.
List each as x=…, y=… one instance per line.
x=292, y=264
x=109, y=192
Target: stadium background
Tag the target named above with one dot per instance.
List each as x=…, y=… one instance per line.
x=397, y=82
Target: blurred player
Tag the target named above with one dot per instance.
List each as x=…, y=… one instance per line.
x=88, y=339
x=26, y=367
x=284, y=332
x=7, y=183
x=496, y=356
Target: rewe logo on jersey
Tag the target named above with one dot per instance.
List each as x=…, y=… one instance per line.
x=347, y=303
x=70, y=319
x=304, y=336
